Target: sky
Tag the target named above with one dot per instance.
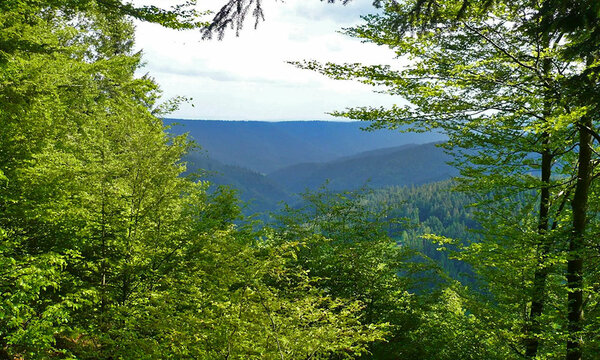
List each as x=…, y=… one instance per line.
x=248, y=78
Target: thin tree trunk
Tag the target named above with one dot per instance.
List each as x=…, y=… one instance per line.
x=538, y=295
x=576, y=243
x=103, y=246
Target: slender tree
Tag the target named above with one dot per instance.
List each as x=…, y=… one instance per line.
x=493, y=78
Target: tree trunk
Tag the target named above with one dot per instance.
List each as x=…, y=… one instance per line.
x=576, y=242
x=538, y=295
x=541, y=273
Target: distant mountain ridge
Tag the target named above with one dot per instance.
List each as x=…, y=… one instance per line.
x=272, y=162
x=403, y=165
x=268, y=146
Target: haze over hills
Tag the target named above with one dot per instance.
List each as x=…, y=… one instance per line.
x=255, y=188
x=273, y=162
x=403, y=165
x=268, y=146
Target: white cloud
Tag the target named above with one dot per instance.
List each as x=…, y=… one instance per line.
x=343, y=14
x=247, y=77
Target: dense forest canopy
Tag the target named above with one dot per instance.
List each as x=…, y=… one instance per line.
x=514, y=85
x=108, y=251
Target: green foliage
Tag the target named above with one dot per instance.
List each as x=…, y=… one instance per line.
x=496, y=78
x=432, y=209
x=348, y=250
x=241, y=301
x=106, y=250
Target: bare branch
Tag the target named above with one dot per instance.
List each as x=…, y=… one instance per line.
x=233, y=14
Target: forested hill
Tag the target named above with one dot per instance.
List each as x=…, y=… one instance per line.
x=260, y=193
x=396, y=166
x=268, y=146
x=404, y=165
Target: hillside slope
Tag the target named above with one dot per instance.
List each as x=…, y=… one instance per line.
x=268, y=146
x=404, y=165
x=260, y=193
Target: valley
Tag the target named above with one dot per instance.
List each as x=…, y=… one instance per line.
x=272, y=162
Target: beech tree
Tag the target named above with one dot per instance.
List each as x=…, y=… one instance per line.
x=104, y=242
x=495, y=77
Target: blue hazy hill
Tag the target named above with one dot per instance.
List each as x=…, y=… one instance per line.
x=403, y=165
x=270, y=162
x=269, y=146
x=254, y=188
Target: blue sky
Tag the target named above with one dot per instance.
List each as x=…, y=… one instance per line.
x=247, y=77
